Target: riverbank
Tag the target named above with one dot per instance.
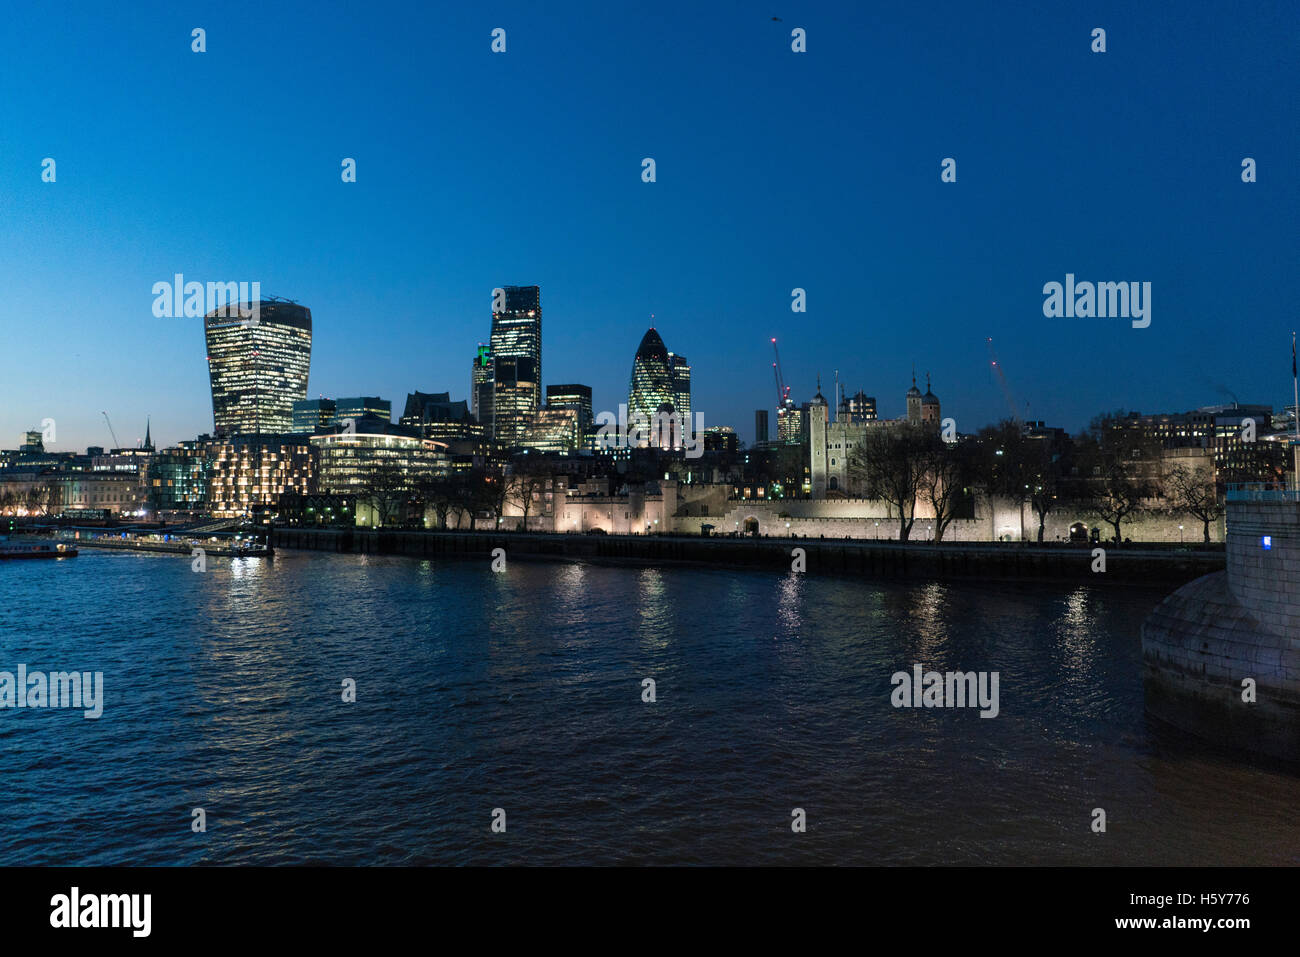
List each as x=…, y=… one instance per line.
x=176, y=548
x=1127, y=564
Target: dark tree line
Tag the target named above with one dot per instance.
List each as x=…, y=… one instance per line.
x=1110, y=470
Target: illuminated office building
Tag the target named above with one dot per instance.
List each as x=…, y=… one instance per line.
x=380, y=468
x=433, y=415
x=314, y=415
x=661, y=383
x=681, y=380
x=516, y=349
x=572, y=396
x=258, y=368
x=178, y=479
x=552, y=430
x=364, y=406
x=251, y=471
x=480, y=391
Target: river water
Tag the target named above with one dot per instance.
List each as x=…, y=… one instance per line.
x=523, y=691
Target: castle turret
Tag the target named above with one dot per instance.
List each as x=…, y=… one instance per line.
x=914, y=402
x=929, y=405
x=818, y=420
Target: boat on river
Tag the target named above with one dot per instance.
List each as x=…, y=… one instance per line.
x=12, y=549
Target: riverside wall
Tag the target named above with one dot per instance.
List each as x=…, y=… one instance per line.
x=1131, y=565
x=1222, y=653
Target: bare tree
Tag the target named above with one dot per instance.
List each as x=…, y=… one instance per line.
x=439, y=493
x=945, y=477
x=387, y=492
x=487, y=491
x=890, y=464
x=37, y=499
x=523, y=485
x=1005, y=465
x=1194, y=493
x=1116, y=461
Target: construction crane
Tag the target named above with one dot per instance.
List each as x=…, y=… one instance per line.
x=782, y=390
x=116, y=443
x=1002, y=381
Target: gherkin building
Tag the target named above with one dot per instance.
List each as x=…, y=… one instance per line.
x=651, y=387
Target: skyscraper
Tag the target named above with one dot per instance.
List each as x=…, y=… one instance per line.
x=761, y=428
x=258, y=369
x=655, y=385
x=681, y=376
x=516, y=348
x=480, y=391
x=572, y=396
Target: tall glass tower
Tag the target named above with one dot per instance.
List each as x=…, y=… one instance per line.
x=681, y=372
x=516, y=350
x=651, y=387
x=480, y=388
x=258, y=369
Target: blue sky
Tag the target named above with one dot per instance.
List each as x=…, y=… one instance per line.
x=775, y=170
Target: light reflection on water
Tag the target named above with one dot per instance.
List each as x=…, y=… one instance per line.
x=523, y=689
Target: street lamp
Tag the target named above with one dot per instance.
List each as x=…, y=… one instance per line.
x=1180, y=534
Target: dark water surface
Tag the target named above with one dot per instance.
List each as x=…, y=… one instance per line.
x=522, y=691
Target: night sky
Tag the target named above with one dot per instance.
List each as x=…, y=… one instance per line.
x=775, y=170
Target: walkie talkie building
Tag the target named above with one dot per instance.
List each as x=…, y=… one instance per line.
x=258, y=368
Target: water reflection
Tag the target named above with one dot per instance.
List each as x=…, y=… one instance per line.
x=790, y=599
x=929, y=614
x=1075, y=636
x=472, y=686
x=572, y=596
x=653, y=609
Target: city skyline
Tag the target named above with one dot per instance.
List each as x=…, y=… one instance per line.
x=841, y=184
x=906, y=474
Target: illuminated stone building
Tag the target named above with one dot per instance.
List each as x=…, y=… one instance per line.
x=831, y=442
